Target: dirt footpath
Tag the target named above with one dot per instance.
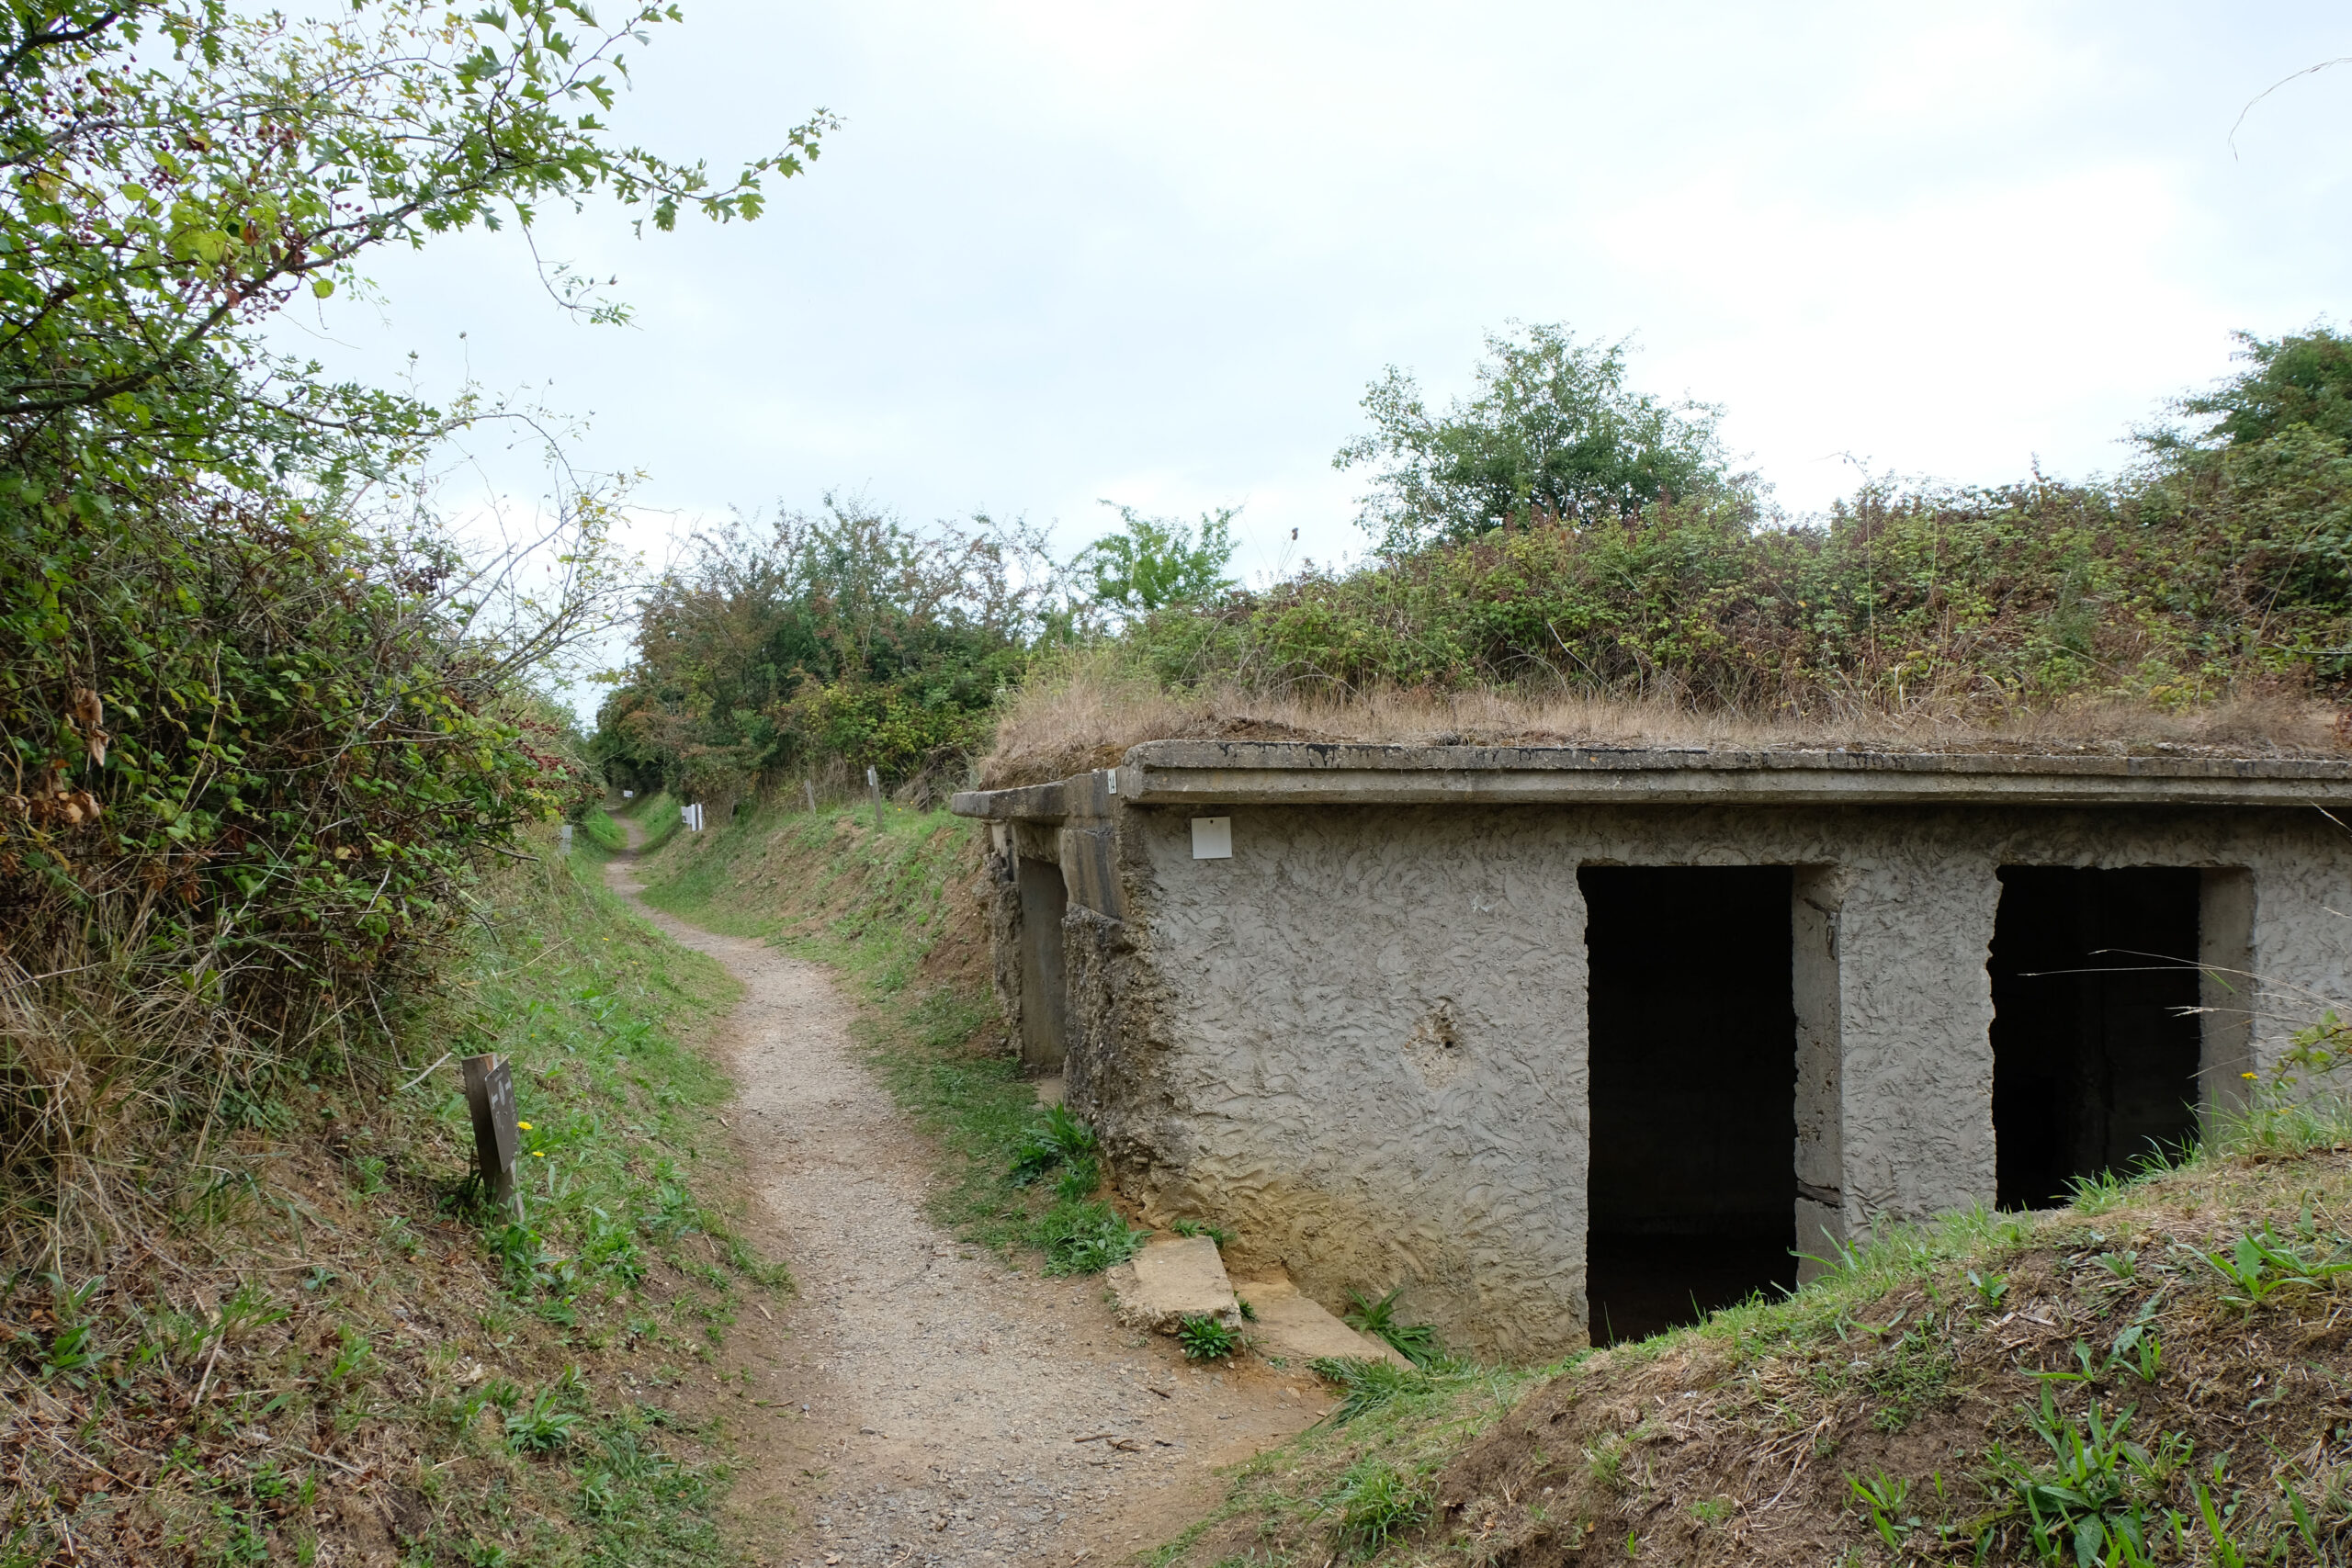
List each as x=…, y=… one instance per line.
x=920, y=1401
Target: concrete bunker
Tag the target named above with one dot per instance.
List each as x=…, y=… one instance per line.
x=1386, y=1026
x=1692, y=1061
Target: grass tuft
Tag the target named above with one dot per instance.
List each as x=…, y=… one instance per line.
x=1416, y=1342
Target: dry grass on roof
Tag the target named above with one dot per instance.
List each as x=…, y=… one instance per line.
x=1088, y=713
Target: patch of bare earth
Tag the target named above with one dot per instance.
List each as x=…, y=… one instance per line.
x=921, y=1401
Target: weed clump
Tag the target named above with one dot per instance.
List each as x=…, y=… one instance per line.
x=1416, y=1342
x=1087, y=1238
x=1058, y=1139
x=1217, y=1234
x=1365, y=1384
x=1203, y=1338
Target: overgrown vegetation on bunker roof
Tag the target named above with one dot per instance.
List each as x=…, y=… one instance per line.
x=1536, y=579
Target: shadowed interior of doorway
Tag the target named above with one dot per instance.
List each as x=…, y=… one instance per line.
x=2095, y=1040
x=1692, y=1189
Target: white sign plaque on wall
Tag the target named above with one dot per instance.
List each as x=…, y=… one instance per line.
x=1212, y=838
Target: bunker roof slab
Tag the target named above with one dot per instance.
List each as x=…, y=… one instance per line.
x=1256, y=773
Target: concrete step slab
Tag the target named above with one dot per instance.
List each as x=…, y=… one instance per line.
x=1296, y=1328
x=1173, y=1278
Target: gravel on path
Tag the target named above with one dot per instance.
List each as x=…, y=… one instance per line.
x=922, y=1401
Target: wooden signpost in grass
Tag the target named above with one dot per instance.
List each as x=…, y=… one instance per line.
x=490, y=1094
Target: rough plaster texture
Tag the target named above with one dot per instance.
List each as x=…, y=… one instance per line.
x=1362, y=1040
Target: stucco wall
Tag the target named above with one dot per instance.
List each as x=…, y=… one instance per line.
x=1361, y=1040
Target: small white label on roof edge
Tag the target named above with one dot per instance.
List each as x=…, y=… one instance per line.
x=1212, y=838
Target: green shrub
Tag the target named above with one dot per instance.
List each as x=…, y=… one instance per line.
x=1983, y=599
x=842, y=636
x=256, y=780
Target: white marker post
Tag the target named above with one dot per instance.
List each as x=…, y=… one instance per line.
x=874, y=787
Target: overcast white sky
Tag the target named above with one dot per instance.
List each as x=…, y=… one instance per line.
x=1061, y=252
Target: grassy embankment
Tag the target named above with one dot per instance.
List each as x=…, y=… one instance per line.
x=894, y=913
x=2157, y=1373
x=335, y=1348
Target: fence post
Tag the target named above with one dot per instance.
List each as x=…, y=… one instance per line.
x=490, y=1095
x=874, y=787
x=809, y=789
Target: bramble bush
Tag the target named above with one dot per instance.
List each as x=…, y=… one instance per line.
x=842, y=636
x=261, y=720
x=2214, y=571
x=251, y=775
x=1558, y=533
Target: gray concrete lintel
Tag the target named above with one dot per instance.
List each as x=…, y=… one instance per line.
x=1207, y=773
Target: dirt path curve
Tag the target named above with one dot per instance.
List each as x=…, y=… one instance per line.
x=926, y=1403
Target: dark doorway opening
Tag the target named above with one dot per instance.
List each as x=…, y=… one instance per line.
x=1045, y=1000
x=1692, y=1195
x=2094, y=1052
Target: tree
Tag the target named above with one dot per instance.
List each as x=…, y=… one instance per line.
x=843, y=633
x=1158, y=562
x=176, y=170
x=261, y=719
x=1553, y=432
x=2298, y=379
